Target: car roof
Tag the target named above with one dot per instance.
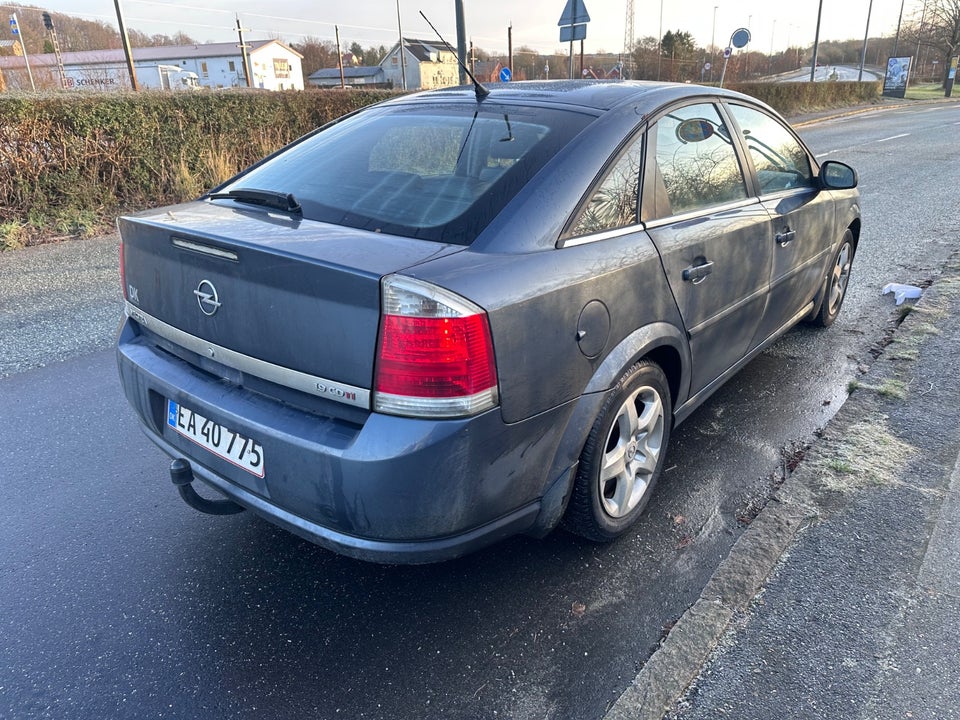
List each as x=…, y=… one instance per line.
x=599, y=95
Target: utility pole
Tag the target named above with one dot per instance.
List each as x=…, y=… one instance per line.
x=660, y=42
x=866, y=34
x=816, y=43
x=510, y=46
x=336, y=29
x=126, y=47
x=916, y=58
x=896, y=43
x=461, y=37
x=403, y=55
x=243, y=51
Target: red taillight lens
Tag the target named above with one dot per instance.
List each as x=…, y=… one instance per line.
x=435, y=355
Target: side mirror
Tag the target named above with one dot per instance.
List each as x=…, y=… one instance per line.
x=837, y=176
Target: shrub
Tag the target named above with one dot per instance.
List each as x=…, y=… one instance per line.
x=72, y=162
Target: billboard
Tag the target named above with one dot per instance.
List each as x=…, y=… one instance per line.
x=898, y=73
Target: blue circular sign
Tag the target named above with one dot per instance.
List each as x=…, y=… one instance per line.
x=505, y=75
x=740, y=38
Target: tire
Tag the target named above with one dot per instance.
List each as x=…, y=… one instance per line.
x=835, y=286
x=623, y=456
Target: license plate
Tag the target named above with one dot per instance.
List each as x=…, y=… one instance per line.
x=223, y=442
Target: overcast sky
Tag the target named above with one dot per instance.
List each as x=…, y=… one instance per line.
x=374, y=22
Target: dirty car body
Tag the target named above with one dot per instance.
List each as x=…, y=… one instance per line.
x=444, y=320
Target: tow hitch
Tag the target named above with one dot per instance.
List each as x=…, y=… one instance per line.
x=182, y=476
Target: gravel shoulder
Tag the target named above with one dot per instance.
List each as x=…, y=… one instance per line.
x=58, y=301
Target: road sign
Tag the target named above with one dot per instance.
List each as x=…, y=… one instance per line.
x=707, y=66
x=569, y=33
x=575, y=13
x=727, y=51
x=505, y=75
x=740, y=38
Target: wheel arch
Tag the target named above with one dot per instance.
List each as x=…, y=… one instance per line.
x=661, y=342
x=853, y=225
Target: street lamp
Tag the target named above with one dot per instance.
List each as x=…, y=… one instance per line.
x=713, y=45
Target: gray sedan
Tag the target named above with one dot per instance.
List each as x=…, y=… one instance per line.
x=457, y=316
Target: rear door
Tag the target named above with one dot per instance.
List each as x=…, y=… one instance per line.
x=802, y=216
x=712, y=235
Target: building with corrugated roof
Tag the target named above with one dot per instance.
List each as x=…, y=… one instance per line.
x=356, y=77
x=273, y=66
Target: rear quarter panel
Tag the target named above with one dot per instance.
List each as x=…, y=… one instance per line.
x=535, y=302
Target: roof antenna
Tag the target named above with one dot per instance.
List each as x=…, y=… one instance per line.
x=479, y=89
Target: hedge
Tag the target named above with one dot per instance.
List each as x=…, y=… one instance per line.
x=69, y=163
x=792, y=98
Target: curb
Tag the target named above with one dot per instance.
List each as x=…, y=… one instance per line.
x=667, y=674
x=674, y=665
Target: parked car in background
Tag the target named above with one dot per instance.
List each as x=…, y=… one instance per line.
x=448, y=318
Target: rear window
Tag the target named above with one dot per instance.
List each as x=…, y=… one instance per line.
x=438, y=173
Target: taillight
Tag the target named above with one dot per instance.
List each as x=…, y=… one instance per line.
x=435, y=353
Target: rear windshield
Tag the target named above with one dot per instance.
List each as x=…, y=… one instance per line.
x=438, y=173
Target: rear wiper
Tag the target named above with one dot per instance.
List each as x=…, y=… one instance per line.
x=268, y=198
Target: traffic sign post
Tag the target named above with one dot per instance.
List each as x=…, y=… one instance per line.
x=573, y=26
x=739, y=40
x=15, y=31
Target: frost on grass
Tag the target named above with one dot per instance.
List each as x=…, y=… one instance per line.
x=868, y=454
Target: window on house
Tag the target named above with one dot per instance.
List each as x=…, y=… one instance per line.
x=232, y=65
x=203, y=69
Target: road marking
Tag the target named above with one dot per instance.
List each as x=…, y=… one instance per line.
x=892, y=137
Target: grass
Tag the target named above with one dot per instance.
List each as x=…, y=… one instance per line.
x=13, y=235
x=891, y=388
x=869, y=454
x=928, y=91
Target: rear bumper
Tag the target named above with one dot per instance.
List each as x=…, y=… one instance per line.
x=389, y=489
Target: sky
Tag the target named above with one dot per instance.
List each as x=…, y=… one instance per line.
x=774, y=25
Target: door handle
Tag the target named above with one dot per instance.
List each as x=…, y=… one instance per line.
x=786, y=236
x=697, y=273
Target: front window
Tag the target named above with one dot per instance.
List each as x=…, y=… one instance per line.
x=780, y=161
x=696, y=164
x=438, y=173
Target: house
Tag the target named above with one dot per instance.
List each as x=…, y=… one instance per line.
x=428, y=65
x=359, y=76
x=273, y=66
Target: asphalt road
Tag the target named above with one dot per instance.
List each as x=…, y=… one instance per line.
x=839, y=73
x=117, y=600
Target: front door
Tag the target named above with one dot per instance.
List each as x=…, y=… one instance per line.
x=712, y=235
x=802, y=216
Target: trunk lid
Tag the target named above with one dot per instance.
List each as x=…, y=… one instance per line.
x=298, y=294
